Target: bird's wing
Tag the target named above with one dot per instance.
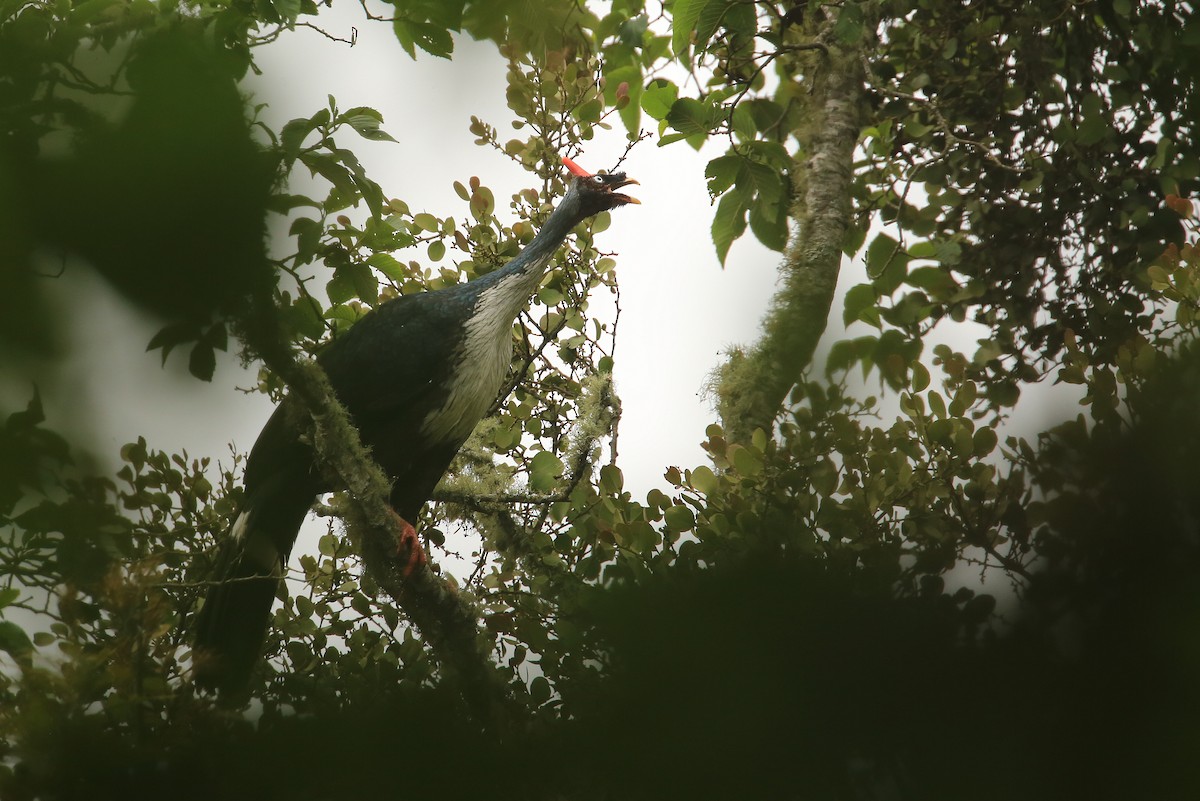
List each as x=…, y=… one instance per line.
x=396, y=357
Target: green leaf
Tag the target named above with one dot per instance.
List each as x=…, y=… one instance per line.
x=658, y=97
x=332, y=170
x=433, y=39
x=691, y=117
x=544, y=470
x=550, y=296
x=937, y=404
x=729, y=223
x=695, y=19
x=367, y=121
x=305, y=316
x=173, y=335
x=679, y=518
x=288, y=10
x=360, y=111
x=964, y=443
x=631, y=112
x=989, y=349
x=766, y=182
x=667, y=139
x=858, y=299
x=769, y=222
x=947, y=251
x=202, y=362
x=427, y=222
x=308, y=237
x=919, y=377
x=684, y=16
x=366, y=286
x=611, y=480
x=539, y=690
x=291, y=139
x=84, y=12
x=505, y=439
x=721, y=173
x=935, y=281
x=841, y=356
x=824, y=478
x=1006, y=393
x=283, y=203
x=364, y=187
x=964, y=398
x=887, y=263
x=14, y=641
x=771, y=154
x=743, y=122
x=340, y=288
x=1095, y=125
x=710, y=17
x=985, y=441
x=925, y=249
x=483, y=202
x=704, y=480
x=849, y=25
x=746, y=461
x=8, y=595
x=390, y=266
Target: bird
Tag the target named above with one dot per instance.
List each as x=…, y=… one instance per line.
x=415, y=374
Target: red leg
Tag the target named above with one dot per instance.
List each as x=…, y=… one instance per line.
x=410, y=546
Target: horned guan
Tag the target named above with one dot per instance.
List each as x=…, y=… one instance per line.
x=416, y=375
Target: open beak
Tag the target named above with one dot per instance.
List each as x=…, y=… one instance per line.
x=624, y=197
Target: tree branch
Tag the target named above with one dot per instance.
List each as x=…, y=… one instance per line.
x=753, y=384
x=447, y=621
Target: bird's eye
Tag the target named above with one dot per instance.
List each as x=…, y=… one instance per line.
x=598, y=180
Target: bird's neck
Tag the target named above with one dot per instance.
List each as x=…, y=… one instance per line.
x=509, y=287
x=554, y=230
x=485, y=350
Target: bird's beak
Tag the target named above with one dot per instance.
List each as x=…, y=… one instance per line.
x=626, y=198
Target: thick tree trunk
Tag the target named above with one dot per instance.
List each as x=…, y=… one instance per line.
x=754, y=383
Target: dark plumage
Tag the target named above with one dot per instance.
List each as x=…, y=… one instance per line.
x=416, y=375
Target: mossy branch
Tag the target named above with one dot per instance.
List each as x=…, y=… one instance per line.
x=753, y=383
x=447, y=621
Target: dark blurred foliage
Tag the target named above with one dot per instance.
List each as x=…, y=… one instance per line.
x=773, y=676
x=785, y=679
x=175, y=196
x=160, y=188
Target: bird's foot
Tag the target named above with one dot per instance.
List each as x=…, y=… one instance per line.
x=409, y=547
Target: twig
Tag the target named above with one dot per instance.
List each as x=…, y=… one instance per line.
x=353, y=40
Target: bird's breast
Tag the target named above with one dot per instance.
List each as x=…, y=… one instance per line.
x=480, y=362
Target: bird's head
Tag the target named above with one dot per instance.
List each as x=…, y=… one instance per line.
x=597, y=193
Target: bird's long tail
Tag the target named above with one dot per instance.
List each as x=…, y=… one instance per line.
x=232, y=624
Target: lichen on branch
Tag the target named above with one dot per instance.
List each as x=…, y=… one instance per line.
x=755, y=381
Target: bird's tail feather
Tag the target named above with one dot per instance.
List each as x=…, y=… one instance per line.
x=232, y=624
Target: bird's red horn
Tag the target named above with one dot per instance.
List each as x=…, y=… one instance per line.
x=575, y=168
